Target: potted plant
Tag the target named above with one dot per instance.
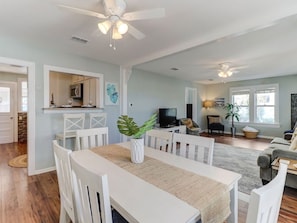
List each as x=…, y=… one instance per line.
x=232, y=112
x=128, y=127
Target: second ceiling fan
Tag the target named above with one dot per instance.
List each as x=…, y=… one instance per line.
x=116, y=18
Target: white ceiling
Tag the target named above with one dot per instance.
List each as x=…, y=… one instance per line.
x=194, y=36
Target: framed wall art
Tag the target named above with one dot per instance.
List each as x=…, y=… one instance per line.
x=111, y=93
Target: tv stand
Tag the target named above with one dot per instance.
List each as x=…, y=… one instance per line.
x=180, y=129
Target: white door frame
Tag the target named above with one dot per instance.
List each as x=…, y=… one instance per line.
x=31, y=109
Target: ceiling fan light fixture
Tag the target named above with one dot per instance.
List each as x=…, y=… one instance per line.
x=225, y=70
x=225, y=74
x=116, y=34
x=104, y=26
x=122, y=27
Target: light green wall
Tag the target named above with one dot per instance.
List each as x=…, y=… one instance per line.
x=49, y=124
x=147, y=92
x=287, y=86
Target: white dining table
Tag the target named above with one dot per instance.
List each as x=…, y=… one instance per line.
x=139, y=201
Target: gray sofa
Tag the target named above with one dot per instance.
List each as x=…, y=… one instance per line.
x=278, y=148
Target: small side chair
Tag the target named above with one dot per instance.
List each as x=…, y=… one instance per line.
x=91, y=194
x=161, y=140
x=193, y=147
x=72, y=122
x=90, y=138
x=214, y=123
x=265, y=202
x=97, y=120
x=63, y=168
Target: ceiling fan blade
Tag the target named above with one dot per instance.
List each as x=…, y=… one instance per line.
x=135, y=32
x=84, y=11
x=144, y=14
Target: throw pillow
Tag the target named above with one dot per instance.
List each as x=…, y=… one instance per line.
x=293, y=145
x=188, y=122
x=214, y=120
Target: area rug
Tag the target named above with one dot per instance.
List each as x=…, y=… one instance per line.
x=19, y=161
x=240, y=160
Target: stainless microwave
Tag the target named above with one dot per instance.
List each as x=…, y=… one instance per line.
x=76, y=91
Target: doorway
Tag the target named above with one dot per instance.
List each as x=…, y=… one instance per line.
x=191, y=102
x=8, y=127
x=30, y=71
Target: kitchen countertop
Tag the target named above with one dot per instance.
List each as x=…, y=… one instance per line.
x=74, y=109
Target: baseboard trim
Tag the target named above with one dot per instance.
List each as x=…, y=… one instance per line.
x=49, y=169
x=241, y=134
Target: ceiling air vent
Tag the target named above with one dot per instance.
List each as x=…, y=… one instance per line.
x=78, y=39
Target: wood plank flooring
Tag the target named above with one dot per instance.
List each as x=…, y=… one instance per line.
x=35, y=199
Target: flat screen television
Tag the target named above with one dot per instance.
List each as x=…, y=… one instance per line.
x=167, y=117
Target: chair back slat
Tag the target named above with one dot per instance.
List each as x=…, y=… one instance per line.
x=161, y=140
x=193, y=147
x=90, y=138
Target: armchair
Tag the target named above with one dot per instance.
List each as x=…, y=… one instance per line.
x=288, y=134
x=192, y=127
x=278, y=147
x=214, y=123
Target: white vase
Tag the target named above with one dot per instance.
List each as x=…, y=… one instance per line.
x=137, y=150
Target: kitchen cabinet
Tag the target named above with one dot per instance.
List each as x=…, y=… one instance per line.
x=77, y=78
x=59, y=88
x=90, y=91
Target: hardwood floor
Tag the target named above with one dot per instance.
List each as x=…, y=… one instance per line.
x=35, y=199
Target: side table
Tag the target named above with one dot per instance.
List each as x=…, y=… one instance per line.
x=292, y=167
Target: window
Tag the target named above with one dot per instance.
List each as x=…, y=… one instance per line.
x=4, y=99
x=23, y=95
x=258, y=104
x=242, y=99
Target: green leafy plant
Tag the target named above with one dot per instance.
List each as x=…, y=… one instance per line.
x=232, y=111
x=128, y=127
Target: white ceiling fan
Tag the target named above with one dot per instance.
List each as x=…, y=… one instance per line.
x=226, y=70
x=116, y=18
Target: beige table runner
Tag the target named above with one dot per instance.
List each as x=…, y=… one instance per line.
x=210, y=197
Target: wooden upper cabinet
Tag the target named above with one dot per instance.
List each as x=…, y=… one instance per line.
x=90, y=91
x=77, y=78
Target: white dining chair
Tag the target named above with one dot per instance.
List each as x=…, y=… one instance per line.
x=193, y=147
x=63, y=168
x=91, y=194
x=97, y=120
x=161, y=140
x=72, y=122
x=90, y=138
x=265, y=202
